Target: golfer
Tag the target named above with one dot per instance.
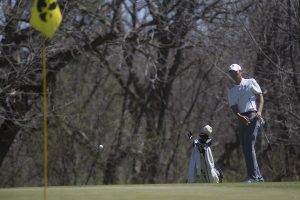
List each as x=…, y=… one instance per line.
x=246, y=101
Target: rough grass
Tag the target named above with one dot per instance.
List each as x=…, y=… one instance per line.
x=224, y=191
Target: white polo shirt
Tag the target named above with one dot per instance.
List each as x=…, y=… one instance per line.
x=243, y=95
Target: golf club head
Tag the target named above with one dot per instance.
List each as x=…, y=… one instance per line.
x=208, y=141
x=189, y=135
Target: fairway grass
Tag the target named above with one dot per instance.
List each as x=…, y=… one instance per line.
x=223, y=191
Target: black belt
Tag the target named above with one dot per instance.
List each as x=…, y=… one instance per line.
x=248, y=112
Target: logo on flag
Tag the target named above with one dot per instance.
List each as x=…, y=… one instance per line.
x=46, y=16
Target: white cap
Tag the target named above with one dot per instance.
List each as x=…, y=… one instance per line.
x=207, y=130
x=234, y=67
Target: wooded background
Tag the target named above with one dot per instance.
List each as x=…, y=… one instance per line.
x=135, y=76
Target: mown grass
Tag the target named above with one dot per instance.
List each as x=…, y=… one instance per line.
x=224, y=191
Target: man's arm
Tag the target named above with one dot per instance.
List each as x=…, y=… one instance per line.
x=260, y=104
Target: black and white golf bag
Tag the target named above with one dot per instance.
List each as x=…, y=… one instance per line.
x=202, y=167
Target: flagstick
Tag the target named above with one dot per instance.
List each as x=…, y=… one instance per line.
x=45, y=118
x=48, y=28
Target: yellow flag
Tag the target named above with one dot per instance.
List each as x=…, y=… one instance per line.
x=46, y=16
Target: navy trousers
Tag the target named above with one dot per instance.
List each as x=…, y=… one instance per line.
x=248, y=134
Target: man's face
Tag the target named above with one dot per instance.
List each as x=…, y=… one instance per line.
x=235, y=75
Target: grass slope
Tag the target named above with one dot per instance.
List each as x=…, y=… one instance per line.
x=224, y=191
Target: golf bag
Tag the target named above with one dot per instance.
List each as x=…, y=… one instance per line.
x=201, y=167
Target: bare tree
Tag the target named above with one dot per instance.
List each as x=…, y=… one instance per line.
x=135, y=75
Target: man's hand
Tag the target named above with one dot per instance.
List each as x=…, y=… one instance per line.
x=258, y=115
x=259, y=118
x=244, y=119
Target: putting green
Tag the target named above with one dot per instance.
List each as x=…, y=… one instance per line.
x=224, y=191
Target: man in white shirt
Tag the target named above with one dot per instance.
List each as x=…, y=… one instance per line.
x=242, y=98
